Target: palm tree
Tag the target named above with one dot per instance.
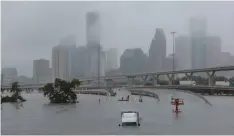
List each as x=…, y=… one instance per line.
x=61, y=91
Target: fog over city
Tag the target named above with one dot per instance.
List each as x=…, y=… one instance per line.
x=31, y=29
x=100, y=68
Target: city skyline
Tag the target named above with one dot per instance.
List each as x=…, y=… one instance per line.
x=117, y=25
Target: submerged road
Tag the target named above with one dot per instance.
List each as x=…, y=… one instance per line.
x=37, y=116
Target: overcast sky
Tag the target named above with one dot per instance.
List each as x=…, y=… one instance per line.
x=31, y=29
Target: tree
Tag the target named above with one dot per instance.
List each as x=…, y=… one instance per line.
x=61, y=91
x=16, y=94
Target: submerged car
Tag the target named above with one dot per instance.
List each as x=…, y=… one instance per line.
x=130, y=118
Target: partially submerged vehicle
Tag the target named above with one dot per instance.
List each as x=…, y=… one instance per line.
x=130, y=118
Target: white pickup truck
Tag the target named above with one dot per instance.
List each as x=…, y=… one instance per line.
x=130, y=118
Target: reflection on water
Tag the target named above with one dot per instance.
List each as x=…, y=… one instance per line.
x=176, y=115
x=18, y=105
x=59, y=108
x=38, y=116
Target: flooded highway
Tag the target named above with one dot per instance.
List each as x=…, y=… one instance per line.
x=37, y=116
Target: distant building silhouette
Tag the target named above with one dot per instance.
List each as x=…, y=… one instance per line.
x=93, y=38
x=10, y=72
x=81, y=61
x=60, y=62
x=92, y=69
x=183, y=53
x=9, y=75
x=157, y=51
x=41, y=71
x=64, y=59
x=93, y=28
x=168, y=63
x=197, y=26
x=213, y=51
x=133, y=61
x=111, y=59
x=226, y=59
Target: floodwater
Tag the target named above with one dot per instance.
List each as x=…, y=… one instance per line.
x=37, y=116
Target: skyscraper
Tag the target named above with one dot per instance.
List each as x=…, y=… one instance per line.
x=157, y=51
x=168, y=64
x=102, y=63
x=10, y=72
x=93, y=29
x=95, y=60
x=111, y=59
x=213, y=51
x=81, y=61
x=93, y=39
x=183, y=53
x=133, y=61
x=197, y=28
x=9, y=75
x=41, y=71
x=64, y=59
x=60, y=62
x=226, y=59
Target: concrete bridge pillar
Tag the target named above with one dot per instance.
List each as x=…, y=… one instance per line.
x=156, y=78
x=171, y=78
x=211, y=78
x=144, y=78
x=189, y=76
x=130, y=81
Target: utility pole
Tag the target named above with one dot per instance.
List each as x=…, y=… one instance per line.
x=173, y=36
x=99, y=61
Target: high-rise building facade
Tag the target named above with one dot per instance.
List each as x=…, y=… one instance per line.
x=64, y=64
x=226, y=59
x=60, y=62
x=157, y=51
x=72, y=61
x=93, y=39
x=10, y=72
x=133, y=61
x=102, y=63
x=197, y=28
x=93, y=29
x=81, y=62
x=9, y=75
x=94, y=62
x=41, y=71
x=213, y=51
x=168, y=64
x=183, y=55
x=111, y=59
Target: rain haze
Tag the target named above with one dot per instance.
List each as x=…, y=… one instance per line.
x=31, y=29
x=90, y=68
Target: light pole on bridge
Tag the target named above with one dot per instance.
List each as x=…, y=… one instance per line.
x=99, y=61
x=173, y=55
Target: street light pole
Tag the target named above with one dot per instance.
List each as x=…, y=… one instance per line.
x=173, y=55
x=99, y=61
